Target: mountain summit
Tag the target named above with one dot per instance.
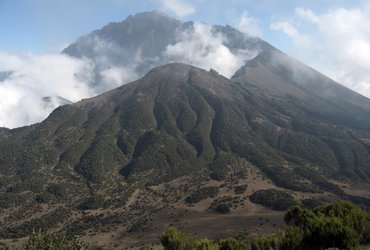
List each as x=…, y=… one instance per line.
x=130, y=48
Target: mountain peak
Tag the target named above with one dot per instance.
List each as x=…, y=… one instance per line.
x=154, y=14
x=147, y=40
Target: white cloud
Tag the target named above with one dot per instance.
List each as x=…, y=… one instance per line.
x=116, y=76
x=249, y=25
x=336, y=43
x=33, y=77
x=204, y=48
x=307, y=14
x=290, y=30
x=287, y=28
x=179, y=7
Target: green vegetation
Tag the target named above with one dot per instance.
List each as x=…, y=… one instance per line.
x=93, y=202
x=10, y=199
x=43, y=223
x=272, y=198
x=340, y=225
x=240, y=189
x=202, y=194
x=38, y=240
x=173, y=239
x=224, y=204
x=52, y=241
x=221, y=165
x=309, y=148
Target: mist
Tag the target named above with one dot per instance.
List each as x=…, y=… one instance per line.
x=30, y=78
x=201, y=46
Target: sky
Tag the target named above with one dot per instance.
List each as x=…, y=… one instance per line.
x=332, y=36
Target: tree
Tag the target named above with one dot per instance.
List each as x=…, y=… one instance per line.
x=232, y=244
x=173, y=239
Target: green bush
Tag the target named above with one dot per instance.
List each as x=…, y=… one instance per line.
x=222, y=208
x=173, y=239
x=207, y=244
x=240, y=189
x=93, y=202
x=232, y=244
x=52, y=241
x=202, y=194
x=266, y=243
x=272, y=198
x=340, y=224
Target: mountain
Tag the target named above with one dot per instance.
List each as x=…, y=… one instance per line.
x=204, y=151
x=129, y=49
x=171, y=147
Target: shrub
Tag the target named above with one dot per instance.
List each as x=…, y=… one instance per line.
x=266, y=243
x=340, y=224
x=202, y=194
x=93, y=202
x=240, y=189
x=272, y=198
x=232, y=244
x=207, y=244
x=52, y=241
x=173, y=239
x=222, y=208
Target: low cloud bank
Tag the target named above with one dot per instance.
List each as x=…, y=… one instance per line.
x=27, y=79
x=201, y=46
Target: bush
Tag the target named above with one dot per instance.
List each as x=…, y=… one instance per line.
x=272, y=198
x=340, y=224
x=232, y=244
x=93, y=202
x=207, y=244
x=222, y=208
x=51, y=241
x=240, y=189
x=266, y=243
x=202, y=194
x=173, y=239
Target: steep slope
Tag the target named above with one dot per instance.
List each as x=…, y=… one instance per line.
x=279, y=74
x=178, y=136
x=314, y=105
